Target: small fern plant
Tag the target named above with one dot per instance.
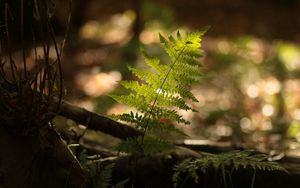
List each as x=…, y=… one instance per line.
x=159, y=91
x=223, y=165
x=100, y=175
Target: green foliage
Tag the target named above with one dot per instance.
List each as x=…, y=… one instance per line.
x=104, y=178
x=224, y=164
x=161, y=89
x=150, y=146
x=101, y=175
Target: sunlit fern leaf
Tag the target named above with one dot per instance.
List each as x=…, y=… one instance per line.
x=168, y=114
x=133, y=101
x=185, y=93
x=147, y=76
x=139, y=120
x=136, y=119
x=161, y=89
x=174, y=101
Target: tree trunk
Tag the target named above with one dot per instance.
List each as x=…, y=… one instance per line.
x=41, y=160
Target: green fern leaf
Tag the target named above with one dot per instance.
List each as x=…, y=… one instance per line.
x=161, y=88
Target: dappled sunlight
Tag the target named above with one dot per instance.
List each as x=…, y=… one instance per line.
x=290, y=55
x=256, y=50
x=252, y=91
x=268, y=99
x=116, y=29
x=99, y=83
x=263, y=88
x=296, y=114
x=118, y=109
x=268, y=110
x=249, y=92
x=92, y=57
x=197, y=93
x=272, y=86
x=86, y=104
x=223, y=47
x=148, y=37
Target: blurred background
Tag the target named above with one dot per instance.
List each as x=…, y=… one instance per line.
x=250, y=91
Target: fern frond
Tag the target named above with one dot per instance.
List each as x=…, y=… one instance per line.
x=132, y=146
x=104, y=177
x=190, y=76
x=191, y=45
x=133, y=118
x=173, y=101
x=168, y=114
x=144, y=146
x=156, y=145
x=144, y=91
x=132, y=101
x=161, y=88
x=219, y=163
x=147, y=76
x=184, y=92
x=159, y=126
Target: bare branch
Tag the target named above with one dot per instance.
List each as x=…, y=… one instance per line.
x=97, y=122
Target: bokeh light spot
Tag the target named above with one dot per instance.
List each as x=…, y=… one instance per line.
x=268, y=110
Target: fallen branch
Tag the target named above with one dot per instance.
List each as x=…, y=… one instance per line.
x=94, y=121
x=91, y=120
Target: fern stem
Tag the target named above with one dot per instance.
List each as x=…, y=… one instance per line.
x=160, y=90
x=253, y=179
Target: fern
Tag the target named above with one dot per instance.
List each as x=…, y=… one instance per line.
x=160, y=90
x=101, y=175
x=221, y=163
x=150, y=146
